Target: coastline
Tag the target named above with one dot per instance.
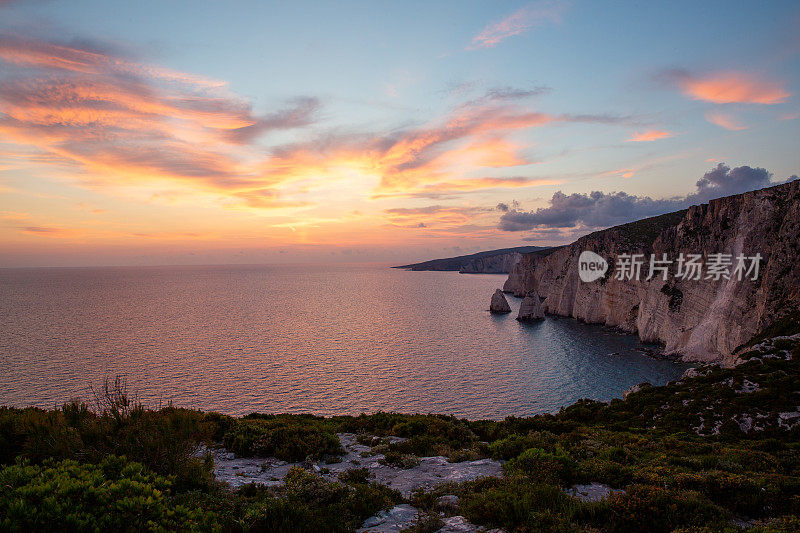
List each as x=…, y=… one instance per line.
x=598, y=463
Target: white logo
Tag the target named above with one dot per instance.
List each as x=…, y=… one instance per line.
x=591, y=266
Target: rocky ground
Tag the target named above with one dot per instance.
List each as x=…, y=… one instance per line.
x=430, y=472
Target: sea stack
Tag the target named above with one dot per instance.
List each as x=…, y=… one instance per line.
x=499, y=303
x=531, y=308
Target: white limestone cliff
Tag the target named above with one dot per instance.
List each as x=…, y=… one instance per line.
x=703, y=320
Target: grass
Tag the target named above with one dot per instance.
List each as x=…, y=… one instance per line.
x=701, y=454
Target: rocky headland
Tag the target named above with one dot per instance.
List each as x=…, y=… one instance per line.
x=488, y=262
x=704, y=319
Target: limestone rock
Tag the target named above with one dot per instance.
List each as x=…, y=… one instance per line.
x=449, y=502
x=396, y=519
x=458, y=524
x=431, y=471
x=702, y=320
x=499, y=303
x=530, y=309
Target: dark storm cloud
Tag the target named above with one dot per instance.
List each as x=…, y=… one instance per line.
x=599, y=209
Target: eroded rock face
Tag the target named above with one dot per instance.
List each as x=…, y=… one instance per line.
x=521, y=275
x=530, y=309
x=496, y=264
x=499, y=303
x=703, y=320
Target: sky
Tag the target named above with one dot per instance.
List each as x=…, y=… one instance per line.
x=141, y=133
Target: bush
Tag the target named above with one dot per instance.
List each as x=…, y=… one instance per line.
x=648, y=508
x=309, y=503
x=165, y=440
x=516, y=506
x=400, y=460
x=545, y=466
x=515, y=444
x=356, y=476
x=115, y=495
x=287, y=437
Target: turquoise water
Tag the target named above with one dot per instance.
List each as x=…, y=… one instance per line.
x=322, y=339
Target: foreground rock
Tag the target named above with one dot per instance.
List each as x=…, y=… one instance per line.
x=431, y=471
x=499, y=303
x=530, y=309
x=404, y=516
x=396, y=519
x=701, y=320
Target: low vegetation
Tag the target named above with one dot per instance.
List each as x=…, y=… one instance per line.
x=717, y=451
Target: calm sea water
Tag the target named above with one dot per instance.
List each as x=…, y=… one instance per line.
x=321, y=339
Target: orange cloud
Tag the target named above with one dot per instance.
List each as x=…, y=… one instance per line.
x=725, y=120
x=434, y=216
x=112, y=122
x=623, y=172
x=413, y=162
x=520, y=21
x=406, y=161
x=731, y=87
x=125, y=122
x=649, y=135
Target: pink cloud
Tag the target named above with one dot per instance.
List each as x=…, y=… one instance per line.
x=649, y=135
x=122, y=122
x=725, y=120
x=520, y=21
x=730, y=87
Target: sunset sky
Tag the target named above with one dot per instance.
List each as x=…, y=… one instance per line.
x=255, y=132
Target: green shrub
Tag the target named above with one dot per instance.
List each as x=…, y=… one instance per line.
x=309, y=503
x=355, y=476
x=517, y=506
x=648, y=508
x=400, y=460
x=536, y=463
x=115, y=495
x=287, y=437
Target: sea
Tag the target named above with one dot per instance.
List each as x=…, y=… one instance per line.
x=322, y=339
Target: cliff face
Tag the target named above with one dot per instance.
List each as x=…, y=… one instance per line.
x=702, y=320
x=520, y=276
x=496, y=264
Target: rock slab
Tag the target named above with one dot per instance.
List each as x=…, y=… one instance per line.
x=431, y=471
